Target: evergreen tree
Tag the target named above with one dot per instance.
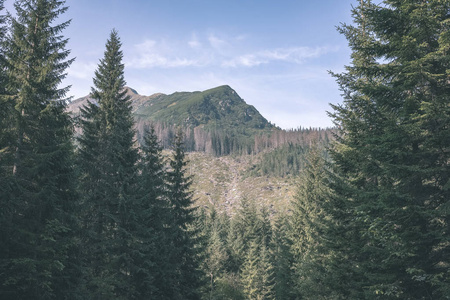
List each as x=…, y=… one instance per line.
x=391, y=159
x=5, y=104
x=184, y=256
x=38, y=244
x=250, y=272
x=282, y=258
x=6, y=140
x=310, y=229
x=215, y=255
x=257, y=274
x=243, y=229
x=152, y=218
x=107, y=159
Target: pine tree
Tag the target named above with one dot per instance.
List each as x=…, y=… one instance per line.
x=391, y=159
x=6, y=106
x=243, y=229
x=184, y=257
x=152, y=218
x=282, y=258
x=108, y=170
x=6, y=139
x=250, y=272
x=38, y=252
x=257, y=273
x=214, y=256
x=311, y=226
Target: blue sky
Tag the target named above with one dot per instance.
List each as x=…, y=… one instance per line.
x=275, y=54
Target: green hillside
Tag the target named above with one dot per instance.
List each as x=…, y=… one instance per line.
x=220, y=107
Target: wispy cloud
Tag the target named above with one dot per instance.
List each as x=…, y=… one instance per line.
x=295, y=55
x=149, y=54
x=194, y=42
x=216, y=42
x=213, y=50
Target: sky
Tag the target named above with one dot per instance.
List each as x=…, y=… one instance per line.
x=275, y=54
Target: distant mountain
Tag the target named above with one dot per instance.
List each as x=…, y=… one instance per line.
x=216, y=121
x=217, y=107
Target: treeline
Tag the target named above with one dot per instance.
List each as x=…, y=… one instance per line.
x=109, y=219
x=238, y=141
x=286, y=153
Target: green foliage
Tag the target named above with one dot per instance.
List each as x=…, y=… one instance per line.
x=390, y=159
x=107, y=160
x=311, y=228
x=184, y=244
x=214, y=108
x=282, y=161
x=38, y=198
x=152, y=219
x=282, y=258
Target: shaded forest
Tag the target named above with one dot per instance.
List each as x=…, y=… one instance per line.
x=98, y=215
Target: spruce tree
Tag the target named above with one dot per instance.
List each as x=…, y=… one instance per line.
x=152, y=219
x=391, y=156
x=184, y=256
x=257, y=274
x=6, y=104
x=108, y=170
x=250, y=272
x=282, y=258
x=215, y=255
x=311, y=226
x=38, y=251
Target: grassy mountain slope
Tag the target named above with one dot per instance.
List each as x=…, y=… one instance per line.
x=218, y=107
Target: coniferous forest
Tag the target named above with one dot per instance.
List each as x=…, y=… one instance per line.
x=101, y=215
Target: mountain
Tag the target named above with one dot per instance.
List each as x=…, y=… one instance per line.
x=216, y=121
x=217, y=107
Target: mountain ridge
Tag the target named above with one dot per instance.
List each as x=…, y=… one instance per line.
x=220, y=105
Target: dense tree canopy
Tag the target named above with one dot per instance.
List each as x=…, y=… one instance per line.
x=38, y=220
x=393, y=146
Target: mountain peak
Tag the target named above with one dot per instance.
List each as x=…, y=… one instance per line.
x=131, y=91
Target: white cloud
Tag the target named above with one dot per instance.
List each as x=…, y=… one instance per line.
x=149, y=54
x=216, y=42
x=212, y=51
x=295, y=55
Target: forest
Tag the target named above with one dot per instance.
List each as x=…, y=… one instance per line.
x=104, y=214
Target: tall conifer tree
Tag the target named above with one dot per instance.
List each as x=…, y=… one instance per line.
x=185, y=254
x=152, y=218
x=107, y=159
x=37, y=262
x=310, y=230
x=393, y=148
